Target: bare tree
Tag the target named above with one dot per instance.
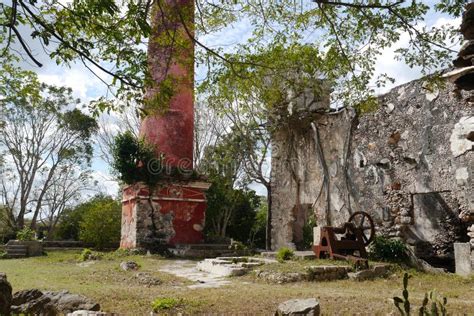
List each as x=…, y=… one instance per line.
x=42, y=133
x=209, y=128
x=111, y=125
x=65, y=190
x=250, y=128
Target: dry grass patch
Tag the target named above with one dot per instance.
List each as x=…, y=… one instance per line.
x=116, y=290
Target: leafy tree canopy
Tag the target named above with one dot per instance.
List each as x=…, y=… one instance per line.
x=230, y=212
x=100, y=221
x=110, y=36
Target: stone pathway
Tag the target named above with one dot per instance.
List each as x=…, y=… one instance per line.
x=187, y=269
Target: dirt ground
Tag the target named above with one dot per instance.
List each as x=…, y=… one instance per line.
x=120, y=292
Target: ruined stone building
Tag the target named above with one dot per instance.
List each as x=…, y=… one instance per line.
x=409, y=164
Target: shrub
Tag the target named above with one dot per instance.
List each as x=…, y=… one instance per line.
x=25, y=234
x=136, y=160
x=230, y=212
x=259, y=226
x=284, y=254
x=101, y=222
x=308, y=231
x=85, y=254
x=3, y=254
x=431, y=305
x=391, y=250
x=165, y=303
x=70, y=223
x=131, y=158
x=237, y=245
x=88, y=254
x=122, y=252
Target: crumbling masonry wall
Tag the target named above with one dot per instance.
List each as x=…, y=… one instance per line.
x=303, y=157
x=412, y=165
x=409, y=164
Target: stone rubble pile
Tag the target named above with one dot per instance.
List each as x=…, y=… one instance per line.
x=463, y=76
x=398, y=205
x=323, y=273
x=36, y=302
x=128, y=265
x=470, y=233
x=91, y=313
x=5, y=295
x=147, y=279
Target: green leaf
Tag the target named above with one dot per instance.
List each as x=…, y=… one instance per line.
x=406, y=307
x=397, y=300
x=405, y=280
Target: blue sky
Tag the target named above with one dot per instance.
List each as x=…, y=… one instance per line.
x=87, y=87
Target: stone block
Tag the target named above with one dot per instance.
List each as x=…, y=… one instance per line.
x=35, y=302
x=462, y=176
x=377, y=271
x=224, y=267
x=34, y=247
x=308, y=307
x=462, y=257
x=327, y=273
x=459, y=140
x=316, y=235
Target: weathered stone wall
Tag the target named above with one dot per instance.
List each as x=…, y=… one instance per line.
x=409, y=164
x=412, y=165
x=308, y=175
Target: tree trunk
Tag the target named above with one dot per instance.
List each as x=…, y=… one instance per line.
x=268, y=230
x=20, y=222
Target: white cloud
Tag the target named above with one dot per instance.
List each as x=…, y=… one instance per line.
x=83, y=83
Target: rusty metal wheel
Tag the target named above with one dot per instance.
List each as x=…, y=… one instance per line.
x=364, y=222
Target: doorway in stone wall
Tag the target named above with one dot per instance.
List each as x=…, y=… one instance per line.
x=302, y=226
x=436, y=226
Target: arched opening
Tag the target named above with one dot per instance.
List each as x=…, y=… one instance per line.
x=324, y=242
x=470, y=136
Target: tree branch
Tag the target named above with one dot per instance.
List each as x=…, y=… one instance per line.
x=408, y=26
x=360, y=5
x=77, y=51
x=333, y=28
x=23, y=44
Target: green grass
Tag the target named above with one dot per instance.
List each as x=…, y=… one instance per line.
x=118, y=291
x=165, y=303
